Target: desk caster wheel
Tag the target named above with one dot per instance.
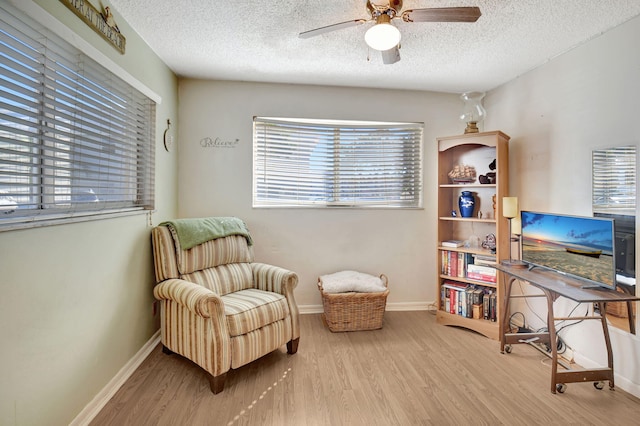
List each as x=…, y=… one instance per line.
x=508, y=349
x=561, y=387
x=598, y=385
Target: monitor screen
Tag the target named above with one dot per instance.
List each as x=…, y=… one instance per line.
x=582, y=247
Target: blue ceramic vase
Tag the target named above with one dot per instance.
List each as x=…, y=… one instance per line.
x=466, y=203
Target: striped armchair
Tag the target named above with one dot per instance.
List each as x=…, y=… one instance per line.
x=218, y=307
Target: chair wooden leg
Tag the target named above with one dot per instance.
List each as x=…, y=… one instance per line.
x=217, y=383
x=292, y=346
x=166, y=350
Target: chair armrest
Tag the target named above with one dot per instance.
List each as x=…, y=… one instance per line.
x=199, y=300
x=279, y=280
x=273, y=278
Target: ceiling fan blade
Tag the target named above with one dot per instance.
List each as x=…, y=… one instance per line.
x=391, y=56
x=442, y=14
x=329, y=28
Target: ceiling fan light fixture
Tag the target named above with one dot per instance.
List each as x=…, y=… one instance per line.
x=383, y=35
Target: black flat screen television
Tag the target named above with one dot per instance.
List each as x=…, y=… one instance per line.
x=582, y=247
x=625, y=243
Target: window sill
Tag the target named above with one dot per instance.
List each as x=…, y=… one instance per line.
x=17, y=223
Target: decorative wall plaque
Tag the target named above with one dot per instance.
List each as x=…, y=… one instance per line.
x=101, y=22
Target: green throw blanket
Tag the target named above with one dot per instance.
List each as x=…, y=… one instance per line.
x=192, y=232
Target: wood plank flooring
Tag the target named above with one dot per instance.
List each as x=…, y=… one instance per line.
x=411, y=372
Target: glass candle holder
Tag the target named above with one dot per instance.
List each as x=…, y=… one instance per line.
x=473, y=111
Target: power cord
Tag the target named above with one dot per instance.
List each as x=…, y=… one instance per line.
x=518, y=328
x=561, y=347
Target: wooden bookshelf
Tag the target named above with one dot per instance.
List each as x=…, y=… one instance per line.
x=477, y=150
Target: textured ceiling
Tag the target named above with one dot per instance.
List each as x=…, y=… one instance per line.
x=254, y=40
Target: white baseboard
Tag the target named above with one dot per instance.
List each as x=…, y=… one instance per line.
x=621, y=382
x=409, y=306
x=100, y=400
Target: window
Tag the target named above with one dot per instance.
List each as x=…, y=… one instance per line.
x=75, y=140
x=614, y=180
x=300, y=162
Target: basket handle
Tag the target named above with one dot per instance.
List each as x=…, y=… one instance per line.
x=385, y=280
x=320, y=285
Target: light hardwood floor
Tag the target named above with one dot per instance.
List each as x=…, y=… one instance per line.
x=411, y=372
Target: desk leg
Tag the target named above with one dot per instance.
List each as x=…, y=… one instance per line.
x=602, y=306
x=632, y=317
x=551, y=327
x=505, y=309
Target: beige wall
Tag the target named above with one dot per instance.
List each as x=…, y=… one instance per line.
x=588, y=98
x=76, y=301
x=312, y=242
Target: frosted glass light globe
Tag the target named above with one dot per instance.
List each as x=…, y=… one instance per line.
x=382, y=36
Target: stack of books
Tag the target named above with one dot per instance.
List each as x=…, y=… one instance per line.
x=481, y=273
x=452, y=243
x=454, y=263
x=457, y=264
x=469, y=301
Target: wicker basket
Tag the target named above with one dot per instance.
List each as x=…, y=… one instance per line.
x=354, y=311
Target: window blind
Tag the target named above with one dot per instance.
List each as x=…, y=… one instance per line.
x=336, y=163
x=614, y=180
x=74, y=138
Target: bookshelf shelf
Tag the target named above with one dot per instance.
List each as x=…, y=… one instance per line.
x=469, y=281
x=468, y=185
x=467, y=219
x=480, y=251
x=457, y=290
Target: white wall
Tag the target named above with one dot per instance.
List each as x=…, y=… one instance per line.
x=588, y=98
x=312, y=242
x=76, y=300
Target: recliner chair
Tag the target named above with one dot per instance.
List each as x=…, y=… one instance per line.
x=218, y=307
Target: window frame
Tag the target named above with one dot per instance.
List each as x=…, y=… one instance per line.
x=614, y=180
x=140, y=195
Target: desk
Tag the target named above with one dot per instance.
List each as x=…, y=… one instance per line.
x=554, y=285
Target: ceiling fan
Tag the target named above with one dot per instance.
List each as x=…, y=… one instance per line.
x=384, y=36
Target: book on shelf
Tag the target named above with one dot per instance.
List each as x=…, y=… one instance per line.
x=485, y=306
x=454, y=285
x=453, y=264
x=453, y=301
x=481, y=273
x=477, y=296
x=462, y=267
x=483, y=259
x=452, y=243
x=493, y=308
x=444, y=299
x=469, y=301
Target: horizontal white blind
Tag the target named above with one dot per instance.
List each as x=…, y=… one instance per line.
x=74, y=138
x=336, y=163
x=614, y=180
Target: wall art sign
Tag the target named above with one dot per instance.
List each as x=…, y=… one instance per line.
x=218, y=143
x=101, y=22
